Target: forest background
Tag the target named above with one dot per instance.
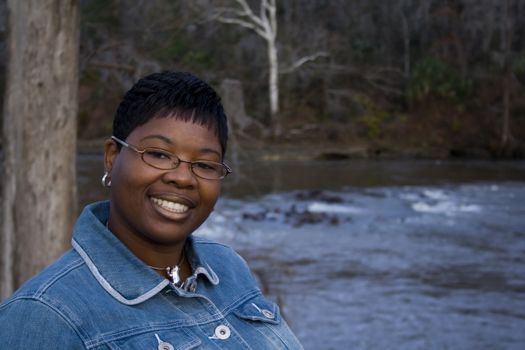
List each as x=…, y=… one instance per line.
x=400, y=78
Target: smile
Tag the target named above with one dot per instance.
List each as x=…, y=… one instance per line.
x=170, y=206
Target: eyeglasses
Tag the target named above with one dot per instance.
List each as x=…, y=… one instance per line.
x=164, y=160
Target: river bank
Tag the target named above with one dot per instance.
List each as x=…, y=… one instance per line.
x=321, y=149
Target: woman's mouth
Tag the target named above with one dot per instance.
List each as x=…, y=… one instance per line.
x=173, y=207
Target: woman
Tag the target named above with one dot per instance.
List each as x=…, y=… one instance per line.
x=136, y=278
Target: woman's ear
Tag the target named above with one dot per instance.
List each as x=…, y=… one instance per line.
x=110, y=153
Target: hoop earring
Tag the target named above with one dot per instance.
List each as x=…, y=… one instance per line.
x=106, y=180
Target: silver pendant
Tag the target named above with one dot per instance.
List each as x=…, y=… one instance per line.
x=173, y=272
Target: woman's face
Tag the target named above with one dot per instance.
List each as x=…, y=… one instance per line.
x=161, y=206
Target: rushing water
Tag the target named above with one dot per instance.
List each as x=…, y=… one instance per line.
x=379, y=255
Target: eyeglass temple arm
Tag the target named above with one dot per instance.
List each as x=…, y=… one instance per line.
x=125, y=144
x=116, y=139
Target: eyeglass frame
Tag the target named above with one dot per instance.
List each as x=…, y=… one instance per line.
x=191, y=163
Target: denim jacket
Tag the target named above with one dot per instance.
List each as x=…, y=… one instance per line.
x=99, y=295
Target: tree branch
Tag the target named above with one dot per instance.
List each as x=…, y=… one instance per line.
x=241, y=23
x=249, y=13
x=107, y=65
x=302, y=61
x=272, y=10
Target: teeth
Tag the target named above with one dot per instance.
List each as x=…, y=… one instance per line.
x=170, y=206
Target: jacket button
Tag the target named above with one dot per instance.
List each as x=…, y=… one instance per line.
x=268, y=314
x=162, y=344
x=222, y=332
x=165, y=346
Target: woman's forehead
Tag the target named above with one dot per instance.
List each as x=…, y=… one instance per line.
x=177, y=132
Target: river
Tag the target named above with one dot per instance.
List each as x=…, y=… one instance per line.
x=366, y=254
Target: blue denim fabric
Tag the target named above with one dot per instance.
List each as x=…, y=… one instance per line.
x=100, y=296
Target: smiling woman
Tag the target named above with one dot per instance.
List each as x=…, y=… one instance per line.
x=151, y=206
x=136, y=277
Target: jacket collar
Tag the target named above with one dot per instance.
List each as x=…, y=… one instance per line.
x=124, y=276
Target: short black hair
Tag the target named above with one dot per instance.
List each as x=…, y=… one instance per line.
x=179, y=95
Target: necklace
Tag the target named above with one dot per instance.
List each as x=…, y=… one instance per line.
x=172, y=271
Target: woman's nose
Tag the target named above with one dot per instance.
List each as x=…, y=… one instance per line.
x=182, y=175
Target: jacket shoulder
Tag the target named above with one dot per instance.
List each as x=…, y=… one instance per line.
x=29, y=323
x=47, y=279
x=36, y=316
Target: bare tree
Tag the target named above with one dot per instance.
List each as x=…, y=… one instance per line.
x=39, y=137
x=265, y=25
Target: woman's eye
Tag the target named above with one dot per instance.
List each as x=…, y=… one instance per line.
x=158, y=154
x=205, y=165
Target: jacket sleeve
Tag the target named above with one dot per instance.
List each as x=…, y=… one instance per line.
x=31, y=324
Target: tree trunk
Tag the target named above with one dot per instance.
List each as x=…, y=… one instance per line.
x=39, y=137
x=505, y=130
x=273, y=82
x=406, y=41
x=506, y=37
